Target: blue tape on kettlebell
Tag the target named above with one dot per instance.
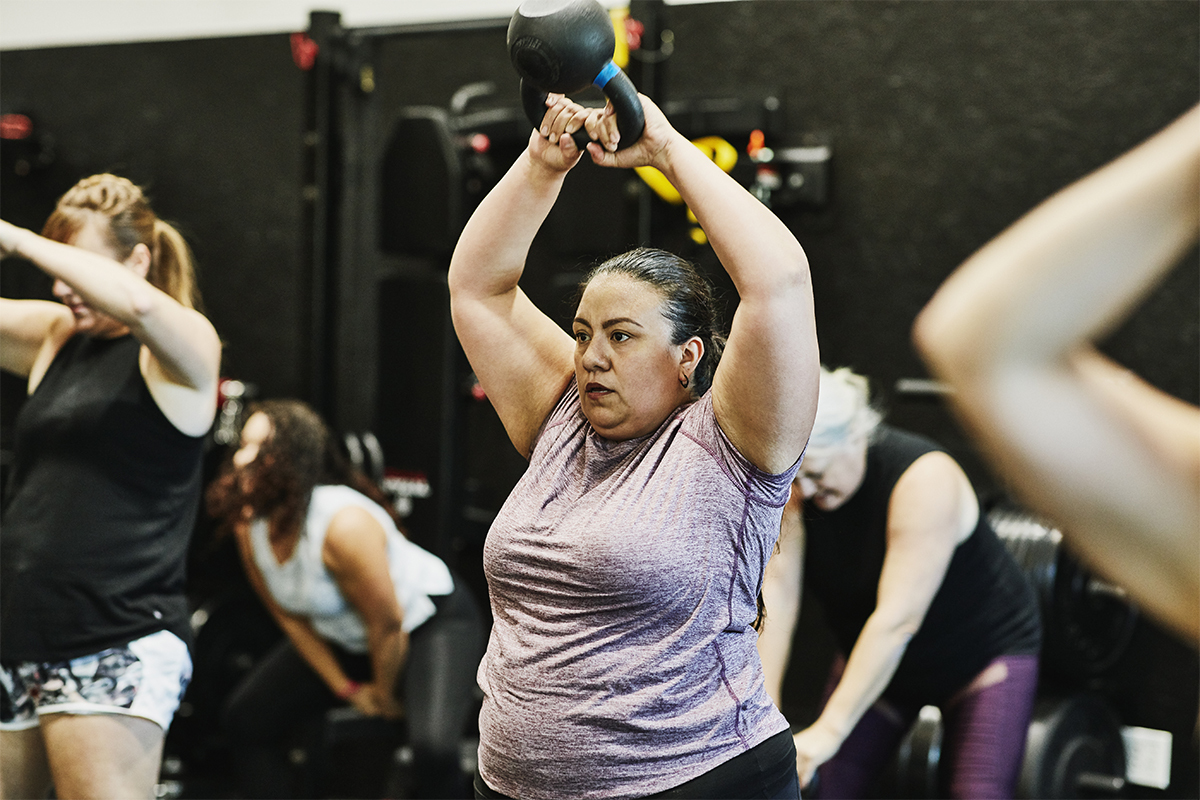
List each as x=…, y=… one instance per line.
x=606, y=74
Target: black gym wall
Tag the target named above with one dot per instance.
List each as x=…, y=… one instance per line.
x=948, y=120
x=212, y=129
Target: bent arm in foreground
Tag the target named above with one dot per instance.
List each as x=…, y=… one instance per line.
x=181, y=340
x=1112, y=460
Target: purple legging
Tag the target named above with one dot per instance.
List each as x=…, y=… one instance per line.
x=982, y=745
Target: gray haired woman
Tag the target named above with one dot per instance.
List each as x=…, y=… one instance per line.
x=926, y=604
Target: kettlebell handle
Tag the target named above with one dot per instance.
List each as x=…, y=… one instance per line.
x=631, y=119
x=562, y=46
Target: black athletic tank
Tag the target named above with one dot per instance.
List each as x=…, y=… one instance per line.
x=985, y=607
x=101, y=504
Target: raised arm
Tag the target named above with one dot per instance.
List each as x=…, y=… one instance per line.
x=765, y=388
x=181, y=340
x=522, y=358
x=932, y=509
x=1114, y=461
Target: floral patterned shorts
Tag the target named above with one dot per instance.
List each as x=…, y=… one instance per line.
x=145, y=678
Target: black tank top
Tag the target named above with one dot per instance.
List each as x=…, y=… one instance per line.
x=101, y=504
x=985, y=607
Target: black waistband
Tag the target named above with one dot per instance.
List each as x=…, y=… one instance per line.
x=762, y=771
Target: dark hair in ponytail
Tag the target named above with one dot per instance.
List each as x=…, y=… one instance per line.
x=688, y=302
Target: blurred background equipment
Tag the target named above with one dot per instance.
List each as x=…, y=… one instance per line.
x=1089, y=622
x=1074, y=749
x=323, y=176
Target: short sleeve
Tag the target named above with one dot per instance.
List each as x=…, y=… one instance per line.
x=701, y=426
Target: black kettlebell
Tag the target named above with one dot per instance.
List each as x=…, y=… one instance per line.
x=563, y=46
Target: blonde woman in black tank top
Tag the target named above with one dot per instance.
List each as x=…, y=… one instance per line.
x=122, y=377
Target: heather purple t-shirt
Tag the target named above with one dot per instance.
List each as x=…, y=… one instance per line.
x=623, y=579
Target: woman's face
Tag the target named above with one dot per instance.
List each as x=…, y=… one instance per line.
x=92, y=237
x=627, y=370
x=255, y=432
x=830, y=478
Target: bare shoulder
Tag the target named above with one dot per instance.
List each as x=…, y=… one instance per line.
x=936, y=469
x=934, y=494
x=353, y=534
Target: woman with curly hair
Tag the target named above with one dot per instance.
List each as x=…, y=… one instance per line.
x=371, y=618
x=106, y=482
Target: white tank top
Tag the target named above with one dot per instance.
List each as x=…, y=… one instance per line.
x=303, y=586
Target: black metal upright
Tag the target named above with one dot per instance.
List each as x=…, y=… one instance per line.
x=647, y=72
x=346, y=269
x=320, y=197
